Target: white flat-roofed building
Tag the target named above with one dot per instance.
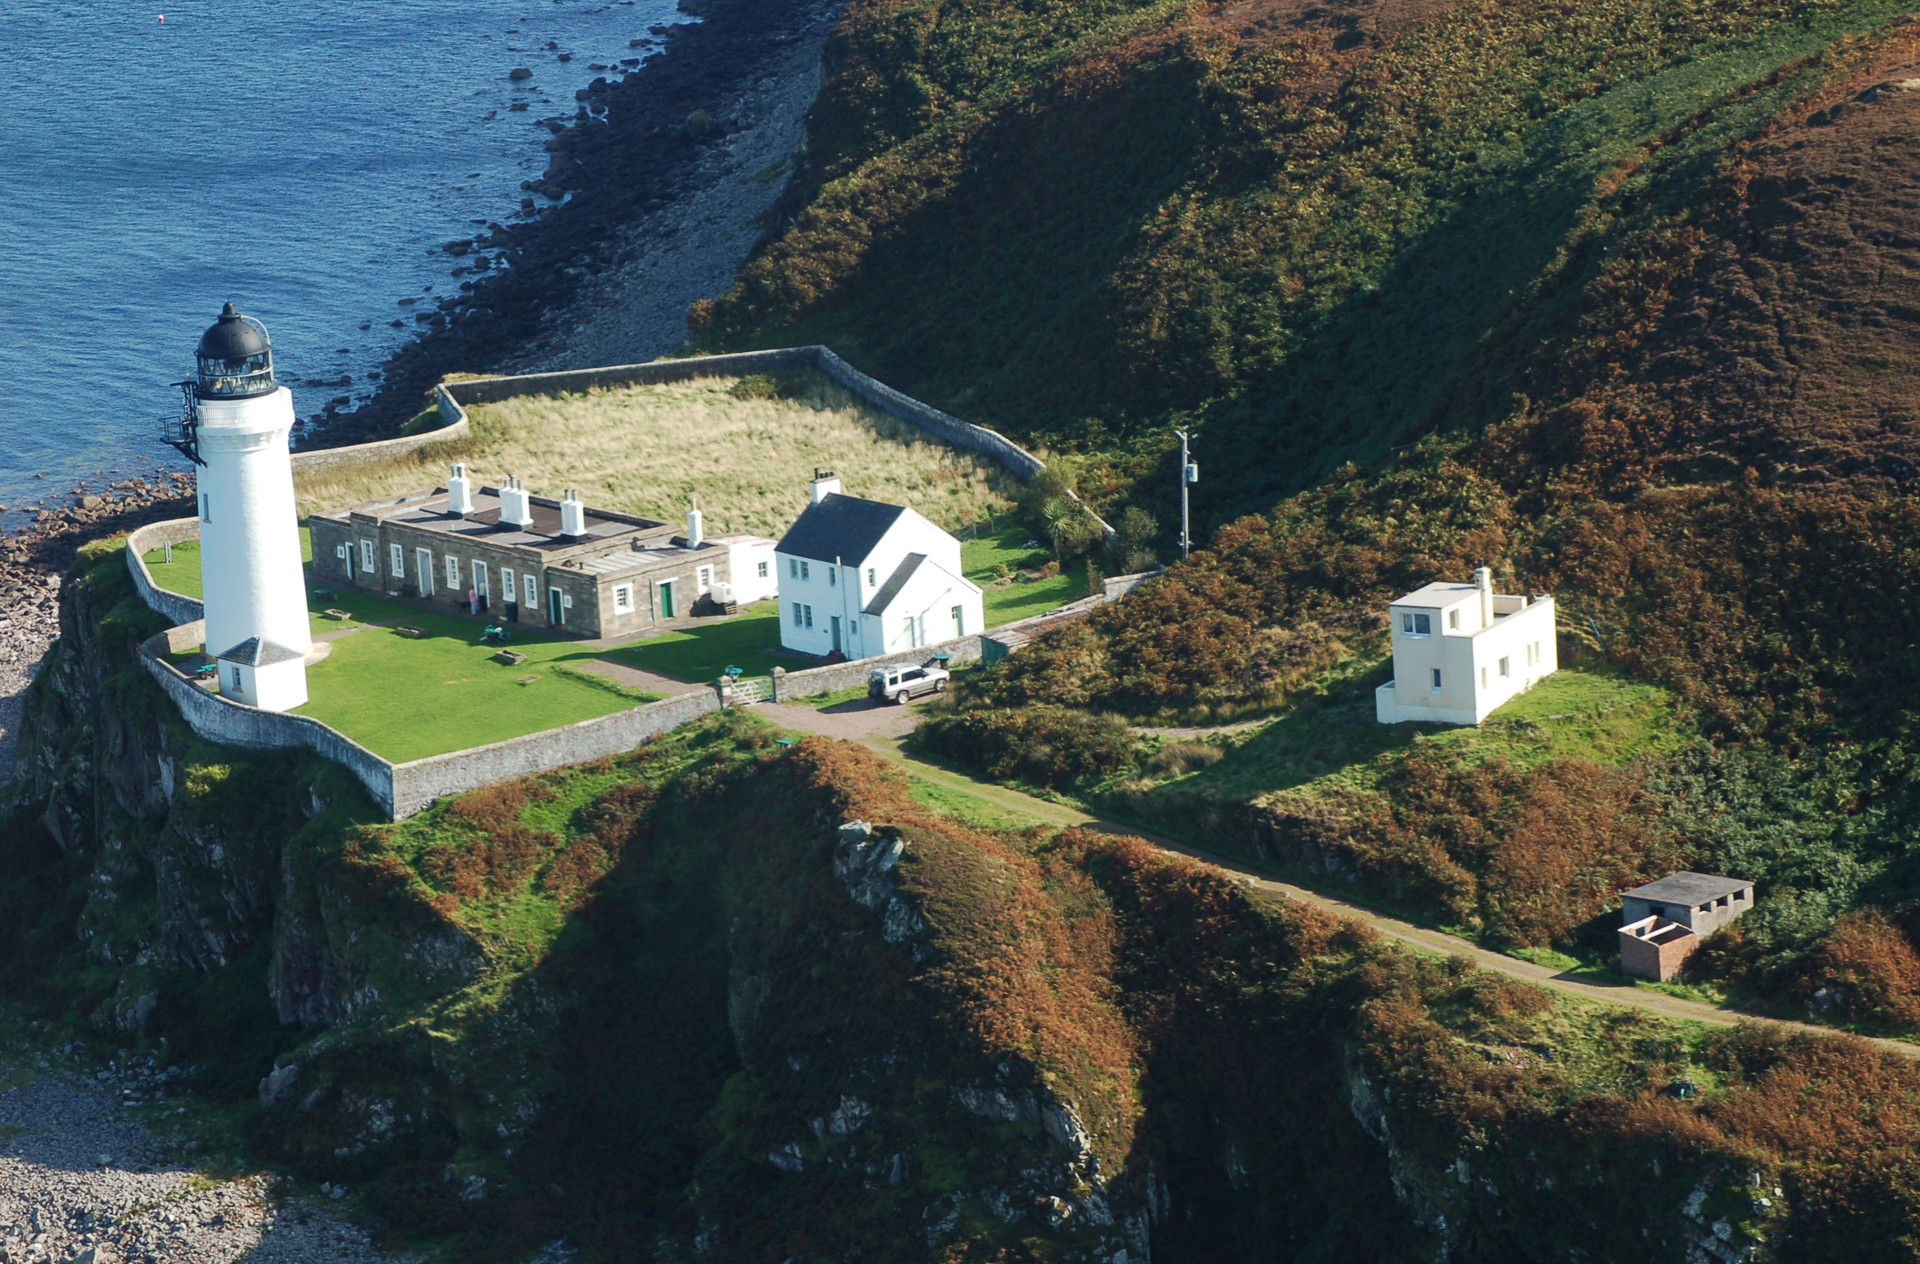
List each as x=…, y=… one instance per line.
x=1461, y=650
x=865, y=578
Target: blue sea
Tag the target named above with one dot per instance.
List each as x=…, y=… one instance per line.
x=304, y=158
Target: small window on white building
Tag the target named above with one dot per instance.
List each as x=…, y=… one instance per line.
x=763, y=570
x=397, y=561
x=533, y=588
x=366, y=556
x=1412, y=624
x=870, y=582
x=793, y=568
x=796, y=614
x=1436, y=680
x=803, y=570
x=623, y=599
x=833, y=577
x=507, y=588
x=1506, y=666
x=1453, y=620
x=809, y=614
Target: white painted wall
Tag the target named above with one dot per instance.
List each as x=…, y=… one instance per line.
x=744, y=559
x=250, y=534
x=846, y=590
x=1469, y=633
x=922, y=612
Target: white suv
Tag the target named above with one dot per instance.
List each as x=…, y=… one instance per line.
x=902, y=684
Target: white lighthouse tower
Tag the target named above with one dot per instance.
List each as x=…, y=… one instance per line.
x=237, y=420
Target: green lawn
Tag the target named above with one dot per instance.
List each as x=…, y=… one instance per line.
x=749, y=641
x=1010, y=600
x=406, y=698
x=182, y=574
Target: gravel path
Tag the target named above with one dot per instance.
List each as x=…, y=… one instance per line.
x=856, y=721
x=82, y=1180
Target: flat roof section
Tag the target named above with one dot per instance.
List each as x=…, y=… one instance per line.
x=1687, y=887
x=1433, y=596
x=427, y=511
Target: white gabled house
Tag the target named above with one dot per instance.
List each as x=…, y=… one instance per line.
x=867, y=578
x=1460, y=650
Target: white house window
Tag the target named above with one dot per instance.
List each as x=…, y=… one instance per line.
x=763, y=570
x=870, y=582
x=808, y=611
x=1436, y=680
x=533, y=589
x=623, y=599
x=833, y=573
x=796, y=614
x=803, y=570
x=453, y=572
x=959, y=621
x=1506, y=667
x=397, y=561
x=366, y=556
x=1412, y=624
x=1453, y=620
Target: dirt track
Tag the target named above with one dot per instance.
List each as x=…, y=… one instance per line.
x=1013, y=801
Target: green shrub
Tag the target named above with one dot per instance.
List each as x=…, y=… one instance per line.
x=1177, y=759
x=1046, y=746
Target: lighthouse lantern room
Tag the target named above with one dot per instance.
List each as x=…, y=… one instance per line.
x=235, y=427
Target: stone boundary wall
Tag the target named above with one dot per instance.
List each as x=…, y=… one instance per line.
x=417, y=783
x=222, y=720
x=381, y=449
x=453, y=396
x=812, y=681
x=176, y=606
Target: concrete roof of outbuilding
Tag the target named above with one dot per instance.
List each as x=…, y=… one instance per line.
x=427, y=511
x=840, y=528
x=1432, y=595
x=1686, y=887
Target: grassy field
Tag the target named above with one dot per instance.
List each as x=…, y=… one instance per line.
x=747, y=452
x=182, y=574
x=407, y=698
x=749, y=641
x=1017, y=597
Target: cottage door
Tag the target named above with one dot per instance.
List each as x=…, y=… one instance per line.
x=836, y=634
x=666, y=599
x=554, y=614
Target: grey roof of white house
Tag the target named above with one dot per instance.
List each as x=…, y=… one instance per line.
x=254, y=652
x=1686, y=887
x=895, y=582
x=840, y=528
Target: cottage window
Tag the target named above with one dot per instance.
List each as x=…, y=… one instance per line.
x=763, y=570
x=796, y=614
x=793, y=568
x=1412, y=624
x=397, y=561
x=623, y=599
x=509, y=590
x=1436, y=680
x=803, y=570
x=1453, y=620
x=833, y=577
x=533, y=588
x=809, y=614
x=366, y=556
x=1506, y=666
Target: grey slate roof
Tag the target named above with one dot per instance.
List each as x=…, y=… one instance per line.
x=1686, y=887
x=254, y=652
x=895, y=582
x=840, y=526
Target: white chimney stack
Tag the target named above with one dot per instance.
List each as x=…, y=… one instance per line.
x=1483, y=580
x=516, y=509
x=573, y=515
x=824, y=485
x=696, y=528
x=459, y=492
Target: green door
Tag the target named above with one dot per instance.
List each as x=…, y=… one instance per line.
x=666, y=599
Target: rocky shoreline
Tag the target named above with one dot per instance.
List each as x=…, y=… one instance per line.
x=666, y=175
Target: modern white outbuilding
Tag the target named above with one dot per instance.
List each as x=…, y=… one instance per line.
x=235, y=426
x=1460, y=650
x=863, y=578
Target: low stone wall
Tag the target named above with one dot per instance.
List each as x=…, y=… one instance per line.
x=419, y=782
x=812, y=681
x=221, y=720
x=457, y=429
x=1118, y=586
x=172, y=605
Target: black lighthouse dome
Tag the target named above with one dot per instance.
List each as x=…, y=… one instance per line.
x=235, y=358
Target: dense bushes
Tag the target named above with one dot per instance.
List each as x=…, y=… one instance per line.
x=1046, y=746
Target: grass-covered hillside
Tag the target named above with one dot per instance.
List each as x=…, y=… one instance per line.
x=745, y=448
x=1617, y=298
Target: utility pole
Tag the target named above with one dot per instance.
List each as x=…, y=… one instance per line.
x=1189, y=475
